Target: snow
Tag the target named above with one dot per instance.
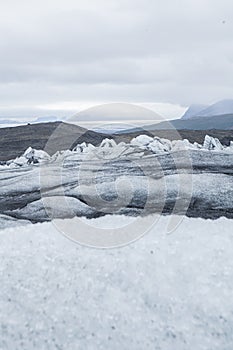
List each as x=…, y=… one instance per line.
x=7, y=221
x=168, y=292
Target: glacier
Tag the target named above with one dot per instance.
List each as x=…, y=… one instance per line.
x=164, y=291
x=146, y=175
x=109, y=148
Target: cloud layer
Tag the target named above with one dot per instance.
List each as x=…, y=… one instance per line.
x=56, y=52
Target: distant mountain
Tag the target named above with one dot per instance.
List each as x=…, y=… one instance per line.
x=218, y=116
x=220, y=122
x=112, y=128
x=10, y=121
x=193, y=111
x=107, y=131
x=219, y=108
x=47, y=119
x=18, y=120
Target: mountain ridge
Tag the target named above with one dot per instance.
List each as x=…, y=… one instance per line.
x=218, y=108
x=193, y=110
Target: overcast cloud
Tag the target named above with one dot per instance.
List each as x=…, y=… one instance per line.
x=61, y=56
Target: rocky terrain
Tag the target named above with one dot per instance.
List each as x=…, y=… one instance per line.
x=15, y=140
x=57, y=136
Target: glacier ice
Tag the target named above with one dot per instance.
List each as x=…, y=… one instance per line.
x=211, y=143
x=141, y=140
x=30, y=156
x=109, y=149
x=88, y=177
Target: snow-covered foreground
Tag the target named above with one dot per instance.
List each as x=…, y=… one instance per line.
x=161, y=292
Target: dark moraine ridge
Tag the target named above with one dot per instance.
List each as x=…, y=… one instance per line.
x=15, y=140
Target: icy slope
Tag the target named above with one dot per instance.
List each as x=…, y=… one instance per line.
x=167, y=292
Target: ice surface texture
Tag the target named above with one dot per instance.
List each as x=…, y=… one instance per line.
x=144, y=176
x=165, y=292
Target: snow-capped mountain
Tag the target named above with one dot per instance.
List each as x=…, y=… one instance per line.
x=218, y=108
x=222, y=107
x=194, y=110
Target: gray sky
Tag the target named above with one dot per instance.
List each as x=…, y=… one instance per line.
x=59, y=57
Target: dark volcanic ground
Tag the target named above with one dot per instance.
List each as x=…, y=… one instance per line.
x=15, y=140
